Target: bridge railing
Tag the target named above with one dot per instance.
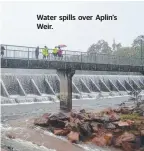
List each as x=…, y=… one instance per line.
x=23, y=52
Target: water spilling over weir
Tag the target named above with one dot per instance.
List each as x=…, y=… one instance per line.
x=28, y=88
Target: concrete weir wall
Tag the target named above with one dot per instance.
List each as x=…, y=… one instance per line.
x=41, y=85
x=65, y=76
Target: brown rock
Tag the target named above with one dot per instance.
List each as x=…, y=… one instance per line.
x=125, y=137
x=46, y=115
x=73, y=124
x=118, y=110
x=41, y=121
x=130, y=122
x=101, y=119
x=58, y=116
x=77, y=121
x=95, y=129
x=57, y=123
x=85, y=129
x=82, y=111
x=108, y=111
x=73, y=136
x=114, y=117
x=127, y=146
x=125, y=110
x=108, y=137
x=117, y=132
x=73, y=114
x=122, y=123
x=110, y=126
x=99, y=141
x=62, y=132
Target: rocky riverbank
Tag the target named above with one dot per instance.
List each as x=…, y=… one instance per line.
x=120, y=128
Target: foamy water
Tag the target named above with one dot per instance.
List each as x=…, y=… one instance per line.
x=24, y=144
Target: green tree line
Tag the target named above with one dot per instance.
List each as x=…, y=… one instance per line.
x=135, y=50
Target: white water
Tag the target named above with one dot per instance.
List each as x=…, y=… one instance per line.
x=27, y=89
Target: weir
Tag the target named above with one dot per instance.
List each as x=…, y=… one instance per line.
x=21, y=90
x=35, y=88
x=88, y=90
x=96, y=87
x=66, y=66
x=135, y=85
x=67, y=85
x=49, y=86
x=121, y=86
x=113, y=85
x=4, y=91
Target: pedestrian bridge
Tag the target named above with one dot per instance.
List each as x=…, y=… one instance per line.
x=24, y=57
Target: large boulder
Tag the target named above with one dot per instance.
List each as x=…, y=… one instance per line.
x=82, y=115
x=122, y=124
x=85, y=130
x=73, y=136
x=108, y=137
x=127, y=146
x=46, y=115
x=140, y=110
x=82, y=111
x=41, y=121
x=110, y=126
x=99, y=141
x=62, y=132
x=131, y=145
x=73, y=124
x=126, y=110
x=58, y=116
x=125, y=137
x=114, y=117
x=95, y=126
x=58, y=120
x=57, y=123
x=100, y=118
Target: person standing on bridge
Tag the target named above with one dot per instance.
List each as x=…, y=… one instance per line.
x=60, y=52
x=55, y=52
x=37, y=52
x=2, y=50
x=45, y=52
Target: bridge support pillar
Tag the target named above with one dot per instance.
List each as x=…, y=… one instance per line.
x=65, y=76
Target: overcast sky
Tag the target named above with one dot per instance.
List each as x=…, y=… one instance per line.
x=18, y=20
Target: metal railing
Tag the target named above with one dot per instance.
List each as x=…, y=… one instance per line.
x=23, y=52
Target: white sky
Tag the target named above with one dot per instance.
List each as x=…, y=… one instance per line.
x=18, y=20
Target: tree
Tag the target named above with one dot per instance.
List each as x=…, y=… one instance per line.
x=100, y=47
x=118, y=46
x=124, y=51
x=138, y=41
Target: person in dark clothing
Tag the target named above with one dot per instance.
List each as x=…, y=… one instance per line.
x=2, y=50
x=60, y=53
x=37, y=52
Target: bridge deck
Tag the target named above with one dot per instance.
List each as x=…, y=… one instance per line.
x=24, y=57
